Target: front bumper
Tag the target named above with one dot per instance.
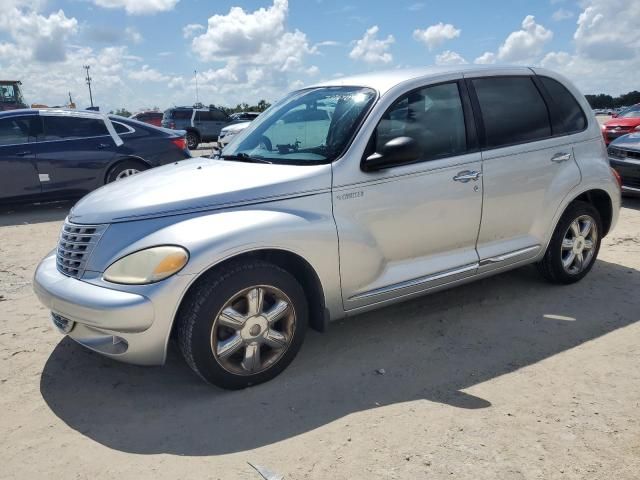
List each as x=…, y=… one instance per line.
x=629, y=171
x=126, y=326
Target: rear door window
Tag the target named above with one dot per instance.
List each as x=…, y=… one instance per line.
x=513, y=110
x=571, y=114
x=67, y=127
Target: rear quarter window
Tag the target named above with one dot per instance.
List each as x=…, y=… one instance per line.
x=571, y=114
x=513, y=110
x=180, y=114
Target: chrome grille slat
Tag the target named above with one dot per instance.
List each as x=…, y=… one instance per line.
x=75, y=245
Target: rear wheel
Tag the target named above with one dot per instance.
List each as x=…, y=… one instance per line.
x=193, y=140
x=125, y=169
x=574, y=245
x=243, y=325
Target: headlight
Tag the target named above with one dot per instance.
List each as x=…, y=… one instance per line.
x=147, y=266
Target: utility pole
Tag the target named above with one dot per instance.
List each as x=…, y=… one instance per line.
x=88, y=79
x=195, y=74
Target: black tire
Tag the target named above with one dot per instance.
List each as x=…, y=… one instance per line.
x=121, y=167
x=551, y=266
x=193, y=140
x=203, y=303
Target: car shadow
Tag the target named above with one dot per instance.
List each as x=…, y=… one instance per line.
x=31, y=213
x=430, y=348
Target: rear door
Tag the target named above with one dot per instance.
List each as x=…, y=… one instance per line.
x=18, y=173
x=528, y=167
x=74, y=153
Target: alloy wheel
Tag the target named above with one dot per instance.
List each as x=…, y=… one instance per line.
x=253, y=330
x=578, y=244
x=127, y=172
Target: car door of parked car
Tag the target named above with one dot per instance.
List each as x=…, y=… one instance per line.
x=528, y=168
x=18, y=173
x=209, y=123
x=406, y=229
x=74, y=153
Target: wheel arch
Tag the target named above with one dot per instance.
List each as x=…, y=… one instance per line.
x=601, y=200
x=293, y=263
x=118, y=161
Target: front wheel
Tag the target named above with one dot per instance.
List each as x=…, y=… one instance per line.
x=243, y=325
x=574, y=245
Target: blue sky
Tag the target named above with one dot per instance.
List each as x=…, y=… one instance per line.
x=143, y=52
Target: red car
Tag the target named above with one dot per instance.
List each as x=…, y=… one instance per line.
x=152, y=117
x=627, y=121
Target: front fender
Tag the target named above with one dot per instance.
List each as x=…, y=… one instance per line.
x=303, y=226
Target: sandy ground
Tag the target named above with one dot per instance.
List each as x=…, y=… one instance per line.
x=507, y=378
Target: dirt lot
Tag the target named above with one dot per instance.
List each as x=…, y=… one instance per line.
x=507, y=378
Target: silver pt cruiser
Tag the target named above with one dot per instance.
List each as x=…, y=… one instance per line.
x=342, y=197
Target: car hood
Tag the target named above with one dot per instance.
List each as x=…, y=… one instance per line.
x=195, y=185
x=236, y=127
x=623, y=122
x=629, y=142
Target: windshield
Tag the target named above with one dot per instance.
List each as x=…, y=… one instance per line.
x=632, y=112
x=307, y=126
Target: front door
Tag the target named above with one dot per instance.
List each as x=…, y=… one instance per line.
x=18, y=173
x=409, y=228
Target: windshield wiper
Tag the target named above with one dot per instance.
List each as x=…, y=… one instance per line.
x=244, y=157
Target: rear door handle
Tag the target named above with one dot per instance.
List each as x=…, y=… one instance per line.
x=561, y=157
x=467, y=175
x=103, y=145
x=23, y=154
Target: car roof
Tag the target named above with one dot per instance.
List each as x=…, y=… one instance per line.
x=53, y=112
x=385, y=80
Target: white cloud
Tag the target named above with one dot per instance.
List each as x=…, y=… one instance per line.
x=525, y=45
x=607, y=48
x=147, y=74
x=312, y=71
x=486, y=58
x=42, y=38
x=608, y=29
x=190, y=30
x=561, y=14
x=256, y=54
x=436, y=35
x=133, y=35
x=450, y=58
x=416, y=7
x=241, y=33
x=370, y=49
x=139, y=7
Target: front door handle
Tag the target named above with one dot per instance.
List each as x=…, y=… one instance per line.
x=467, y=175
x=561, y=157
x=23, y=154
x=102, y=146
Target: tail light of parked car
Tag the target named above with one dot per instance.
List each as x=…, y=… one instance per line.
x=181, y=143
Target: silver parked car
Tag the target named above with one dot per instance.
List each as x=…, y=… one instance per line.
x=376, y=189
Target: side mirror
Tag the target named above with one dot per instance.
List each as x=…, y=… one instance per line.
x=398, y=151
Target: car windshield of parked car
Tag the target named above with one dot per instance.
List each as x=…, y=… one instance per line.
x=630, y=113
x=306, y=127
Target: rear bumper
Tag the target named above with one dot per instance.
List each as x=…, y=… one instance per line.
x=128, y=326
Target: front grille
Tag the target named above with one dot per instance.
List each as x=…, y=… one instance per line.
x=75, y=246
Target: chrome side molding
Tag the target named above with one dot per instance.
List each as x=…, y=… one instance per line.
x=507, y=256
x=416, y=282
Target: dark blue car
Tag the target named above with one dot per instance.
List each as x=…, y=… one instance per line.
x=50, y=154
